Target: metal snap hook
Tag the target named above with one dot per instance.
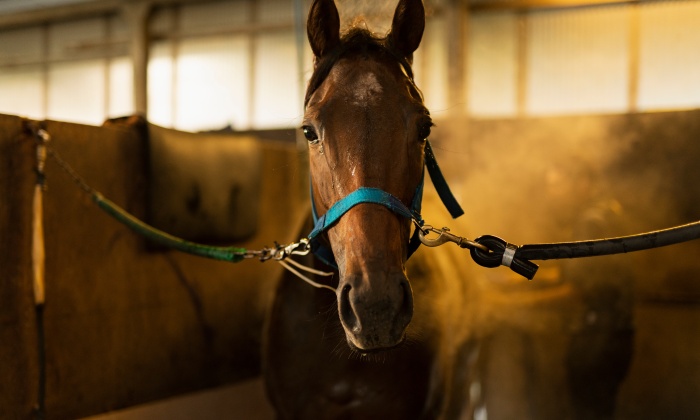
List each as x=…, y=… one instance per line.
x=445, y=236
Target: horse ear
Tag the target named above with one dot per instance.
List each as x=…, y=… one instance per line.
x=323, y=27
x=407, y=27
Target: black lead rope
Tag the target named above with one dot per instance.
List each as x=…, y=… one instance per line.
x=518, y=258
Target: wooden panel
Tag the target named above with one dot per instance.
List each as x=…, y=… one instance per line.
x=18, y=352
x=126, y=323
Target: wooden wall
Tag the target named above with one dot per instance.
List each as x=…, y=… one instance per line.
x=125, y=323
x=625, y=329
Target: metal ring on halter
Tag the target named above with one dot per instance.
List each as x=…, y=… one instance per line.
x=508, y=254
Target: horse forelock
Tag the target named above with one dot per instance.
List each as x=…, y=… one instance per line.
x=355, y=41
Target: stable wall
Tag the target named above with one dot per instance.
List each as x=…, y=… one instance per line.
x=125, y=322
x=560, y=179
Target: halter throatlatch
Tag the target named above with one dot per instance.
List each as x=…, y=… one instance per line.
x=381, y=197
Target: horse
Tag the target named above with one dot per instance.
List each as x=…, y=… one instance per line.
x=381, y=346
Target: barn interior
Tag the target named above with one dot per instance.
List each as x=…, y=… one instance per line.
x=556, y=120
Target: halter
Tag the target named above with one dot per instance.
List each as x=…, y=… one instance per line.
x=361, y=39
x=381, y=197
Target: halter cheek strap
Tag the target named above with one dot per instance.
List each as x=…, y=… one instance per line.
x=440, y=184
x=377, y=196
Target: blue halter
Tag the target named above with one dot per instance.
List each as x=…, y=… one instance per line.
x=377, y=196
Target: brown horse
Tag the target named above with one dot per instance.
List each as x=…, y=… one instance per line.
x=366, y=126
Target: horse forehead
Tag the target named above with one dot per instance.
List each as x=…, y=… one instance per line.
x=366, y=83
x=365, y=89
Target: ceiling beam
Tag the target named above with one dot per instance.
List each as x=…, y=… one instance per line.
x=524, y=5
x=74, y=11
x=58, y=13
x=104, y=7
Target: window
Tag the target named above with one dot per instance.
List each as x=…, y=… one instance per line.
x=597, y=59
x=492, y=66
x=577, y=61
x=225, y=64
x=669, y=56
x=73, y=71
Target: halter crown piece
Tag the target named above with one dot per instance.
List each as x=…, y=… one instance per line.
x=378, y=196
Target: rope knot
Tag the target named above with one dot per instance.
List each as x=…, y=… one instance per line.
x=502, y=253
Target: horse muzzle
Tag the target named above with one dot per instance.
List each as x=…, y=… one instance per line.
x=375, y=309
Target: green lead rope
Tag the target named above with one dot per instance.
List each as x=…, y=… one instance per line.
x=221, y=253
x=279, y=253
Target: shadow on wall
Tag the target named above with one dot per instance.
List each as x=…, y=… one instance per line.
x=583, y=339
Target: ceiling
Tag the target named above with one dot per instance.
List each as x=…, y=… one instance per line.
x=14, y=6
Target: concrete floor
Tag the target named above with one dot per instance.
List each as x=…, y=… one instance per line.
x=245, y=400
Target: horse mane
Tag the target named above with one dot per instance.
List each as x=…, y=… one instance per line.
x=358, y=41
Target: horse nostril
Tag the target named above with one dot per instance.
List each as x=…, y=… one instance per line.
x=347, y=314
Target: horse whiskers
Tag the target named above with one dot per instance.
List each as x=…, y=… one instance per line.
x=341, y=350
x=309, y=270
x=335, y=338
x=416, y=333
x=376, y=358
x=328, y=313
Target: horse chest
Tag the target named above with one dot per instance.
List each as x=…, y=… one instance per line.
x=311, y=373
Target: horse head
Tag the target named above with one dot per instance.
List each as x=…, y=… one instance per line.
x=367, y=126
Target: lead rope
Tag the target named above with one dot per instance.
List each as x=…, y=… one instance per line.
x=487, y=250
x=278, y=253
x=491, y=251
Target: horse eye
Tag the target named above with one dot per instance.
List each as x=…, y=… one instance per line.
x=310, y=134
x=424, y=131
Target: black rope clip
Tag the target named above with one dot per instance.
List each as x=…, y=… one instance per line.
x=502, y=253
